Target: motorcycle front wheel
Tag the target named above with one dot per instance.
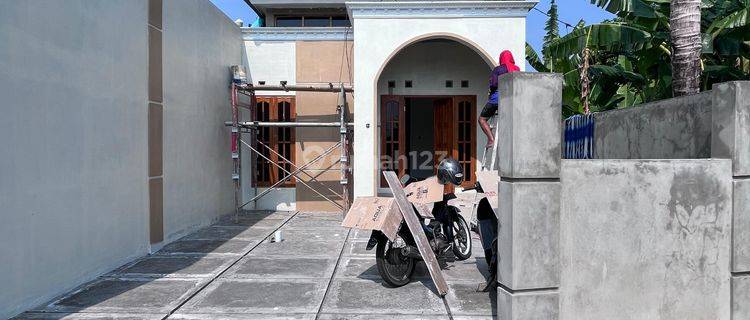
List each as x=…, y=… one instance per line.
x=461, y=238
x=394, y=268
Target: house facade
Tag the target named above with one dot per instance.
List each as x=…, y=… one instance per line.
x=419, y=69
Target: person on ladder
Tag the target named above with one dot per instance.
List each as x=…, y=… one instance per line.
x=507, y=65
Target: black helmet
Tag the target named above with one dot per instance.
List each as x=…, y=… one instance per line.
x=449, y=170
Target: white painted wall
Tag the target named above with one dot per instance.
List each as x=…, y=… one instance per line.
x=448, y=60
x=73, y=125
x=377, y=39
x=200, y=44
x=272, y=62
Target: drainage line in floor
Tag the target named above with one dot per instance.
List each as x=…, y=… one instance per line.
x=209, y=282
x=447, y=307
x=333, y=275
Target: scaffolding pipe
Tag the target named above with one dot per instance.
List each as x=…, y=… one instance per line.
x=289, y=176
x=284, y=87
x=344, y=154
x=239, y=127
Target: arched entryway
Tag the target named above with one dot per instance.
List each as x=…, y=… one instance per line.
x=429, y=95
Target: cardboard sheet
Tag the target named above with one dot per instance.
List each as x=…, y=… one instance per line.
x=374, y=213
x=489, y=181
x=424, y=192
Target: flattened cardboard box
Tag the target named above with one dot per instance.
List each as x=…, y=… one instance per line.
x=425, y=191
x=374, y=213
x=489, y=181
x=423, y=194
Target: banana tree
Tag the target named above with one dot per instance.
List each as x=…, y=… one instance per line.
x=631, y=57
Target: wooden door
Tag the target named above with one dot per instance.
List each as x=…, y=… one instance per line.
x=444, y=128
x=392, y=136
x=443, y=132
x=465, y=126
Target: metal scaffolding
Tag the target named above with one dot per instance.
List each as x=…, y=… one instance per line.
x=251, y=127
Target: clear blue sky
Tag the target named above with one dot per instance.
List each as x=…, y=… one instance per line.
x=570, y=11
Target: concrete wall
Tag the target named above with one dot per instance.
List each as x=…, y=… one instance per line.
x=731, y=140
x=529, y=195
x=73, y=171
x=74, y=189
x=645, y=239
x=677, y=128
x=383, y=29
x=200, y=43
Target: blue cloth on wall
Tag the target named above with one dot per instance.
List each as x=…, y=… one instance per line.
x=579, y=137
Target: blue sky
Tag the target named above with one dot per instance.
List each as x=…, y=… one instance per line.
x=570, y=11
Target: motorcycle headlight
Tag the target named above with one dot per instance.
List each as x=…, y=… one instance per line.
x=399, y=243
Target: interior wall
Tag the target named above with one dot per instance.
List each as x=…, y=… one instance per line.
x=73, y=130
x=421, y=137
x=200, y=44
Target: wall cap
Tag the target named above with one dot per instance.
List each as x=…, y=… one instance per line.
x=297, y=34
x=438, y=9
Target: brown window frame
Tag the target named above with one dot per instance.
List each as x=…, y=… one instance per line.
x=281, y=139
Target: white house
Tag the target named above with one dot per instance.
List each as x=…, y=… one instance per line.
x=419, y=69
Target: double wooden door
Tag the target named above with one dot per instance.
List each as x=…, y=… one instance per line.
x=454, y=133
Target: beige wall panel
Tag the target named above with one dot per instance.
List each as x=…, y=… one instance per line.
x=320, y=106
x=308, y=200
x=320, y=61
x=324, y=61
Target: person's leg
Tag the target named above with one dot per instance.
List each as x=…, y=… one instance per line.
x=488, y=111
x=487, y=131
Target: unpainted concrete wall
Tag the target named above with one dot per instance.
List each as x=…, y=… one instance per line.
x=645, y=239
x=678, y=128
x=200, y=44
x=73, y=135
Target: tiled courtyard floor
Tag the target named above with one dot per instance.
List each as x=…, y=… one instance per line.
x=231, y=271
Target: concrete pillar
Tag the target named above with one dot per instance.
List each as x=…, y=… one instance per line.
x=730, y=139
x=529, y=195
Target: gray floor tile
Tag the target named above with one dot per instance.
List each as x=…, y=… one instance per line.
x=259, y=296
x=256, y=267
x=373, y=297
x=312, y=223
x=472, y=269
x=314, y=235
x=463, y=299
x=358, y=248
x=127, y=295
x=242, y=316
x=299, y=248
x=250, y=221
x=207, y=246
x=226, y=233
x=174, y=266
x=88, y=316
x=350, y=316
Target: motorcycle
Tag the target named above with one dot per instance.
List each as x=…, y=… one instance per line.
x=487, y=225
x=447, y=234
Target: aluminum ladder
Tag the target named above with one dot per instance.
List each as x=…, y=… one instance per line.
x=489, y=164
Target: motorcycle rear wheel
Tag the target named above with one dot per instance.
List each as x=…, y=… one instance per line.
x=395, y=269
